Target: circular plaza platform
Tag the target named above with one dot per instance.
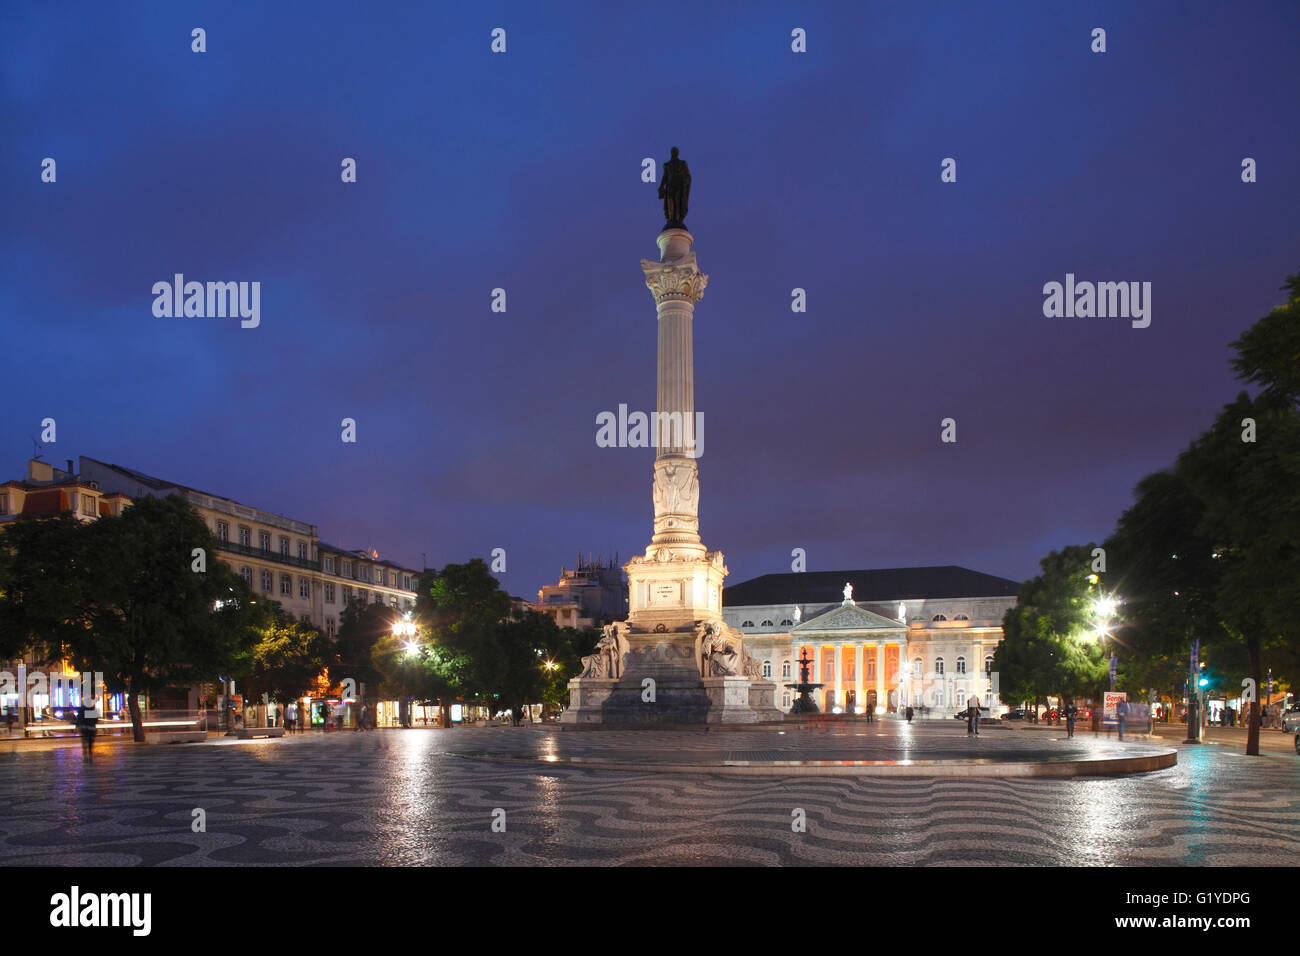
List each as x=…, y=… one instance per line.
x=887, y=748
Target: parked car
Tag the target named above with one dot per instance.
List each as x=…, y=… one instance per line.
x=984, y=714
x=1290, y=720
x=1015, y=713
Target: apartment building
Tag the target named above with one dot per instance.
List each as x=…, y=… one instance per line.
x=280, y=557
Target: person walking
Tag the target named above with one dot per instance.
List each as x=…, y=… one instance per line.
x=1121, y=715
x=909, y=713
x=87, y=724
x=1071, y=714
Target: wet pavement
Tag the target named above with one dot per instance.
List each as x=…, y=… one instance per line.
x=411, y=798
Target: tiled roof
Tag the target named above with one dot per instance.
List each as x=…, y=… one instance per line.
x=880, y=584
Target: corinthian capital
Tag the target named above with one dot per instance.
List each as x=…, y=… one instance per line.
x=675, y=279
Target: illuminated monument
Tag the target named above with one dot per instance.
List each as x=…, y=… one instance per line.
x=674, y=660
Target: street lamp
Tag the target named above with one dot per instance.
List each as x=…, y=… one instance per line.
x=404, y=627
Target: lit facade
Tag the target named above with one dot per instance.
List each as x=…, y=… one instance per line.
x=918, y=636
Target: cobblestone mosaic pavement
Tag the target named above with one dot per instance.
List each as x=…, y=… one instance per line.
x=406, y=798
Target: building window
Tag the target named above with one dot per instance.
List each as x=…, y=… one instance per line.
x=329, y=626
x=284, y=545
x=916, y=669
x=988, y=665
x=961, y=617
x=266, y=581
x=302, y=550
x=766, y=624
x=961, y=665
x=247, y=575
x=286, y=585
x=88, y=507
x=264, y=540
x=406, y=582
x=767, y=668
x=787, y=622
x=329, y=564
x=304, y=587
x=938, y=697
x=4, y=504
x=785, y=701
x=785, y=670
x=329, y=592
x=245, y=536
x=939, y=617
x=223, y=531
x=746, y=623
x=347, y=569
x=347, y=593
x=392, y=601
x=938, y=666
x=363, y=595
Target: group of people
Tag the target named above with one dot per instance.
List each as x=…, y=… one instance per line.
x=294, y=717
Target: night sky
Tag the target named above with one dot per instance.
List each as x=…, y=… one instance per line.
x=476, y=430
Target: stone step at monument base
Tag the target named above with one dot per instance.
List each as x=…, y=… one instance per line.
x=674, y=701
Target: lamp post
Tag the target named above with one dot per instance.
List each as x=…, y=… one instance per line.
x=404, y=628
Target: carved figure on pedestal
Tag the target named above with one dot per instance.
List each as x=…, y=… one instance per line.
x=615, y=645
x=607, y=662
x=676, y=489
x=595, y=665
x=717, y=654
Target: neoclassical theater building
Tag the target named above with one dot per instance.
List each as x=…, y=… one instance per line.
x=919, y=636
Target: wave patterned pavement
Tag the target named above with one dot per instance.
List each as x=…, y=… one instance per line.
x=407, y=798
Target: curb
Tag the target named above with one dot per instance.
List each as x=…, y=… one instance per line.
x=1144, y=763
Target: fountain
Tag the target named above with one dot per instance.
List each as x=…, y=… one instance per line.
x=805, y=703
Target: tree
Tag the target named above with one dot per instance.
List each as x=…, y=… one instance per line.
x=1163, y=565
x=146, y=618
x=361, y=627
x=287, y=659
x=1048, y=647
x=1251, y=496
x=1268, y=353
x=428, y=673
x=460, y=608
x=1212, y=547
x=45, y=571
x=523, y=645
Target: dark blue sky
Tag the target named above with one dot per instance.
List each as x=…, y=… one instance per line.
x=476, y=430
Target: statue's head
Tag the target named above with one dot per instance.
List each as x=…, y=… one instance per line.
x=674, y=152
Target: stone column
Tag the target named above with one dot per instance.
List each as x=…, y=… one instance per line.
x=859, y=664
x=839, y=674
x=817, y=664
x=676, y=283
x=882, y=699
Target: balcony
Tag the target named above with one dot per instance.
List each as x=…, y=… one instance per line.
x=250, y=552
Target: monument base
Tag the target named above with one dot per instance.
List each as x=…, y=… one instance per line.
x=659, y=682
x=708, y=700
